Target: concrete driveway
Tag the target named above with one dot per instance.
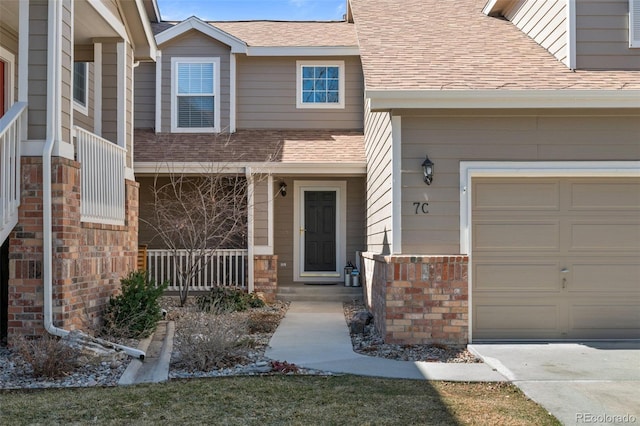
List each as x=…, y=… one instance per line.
x=579, y=383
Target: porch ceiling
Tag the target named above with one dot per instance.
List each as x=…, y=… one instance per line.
x=9, y=14
x=252, y=146
x=88, y=23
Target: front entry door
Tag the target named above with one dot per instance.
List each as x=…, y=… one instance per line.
x=320, y=231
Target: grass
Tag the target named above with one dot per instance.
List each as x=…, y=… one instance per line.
x=271, y=400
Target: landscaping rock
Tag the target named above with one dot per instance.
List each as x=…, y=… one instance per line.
x=359, y=321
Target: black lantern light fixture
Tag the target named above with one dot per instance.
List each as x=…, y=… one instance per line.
x=427, y=170
x=283, y=189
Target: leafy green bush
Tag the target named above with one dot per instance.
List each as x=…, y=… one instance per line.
x=136, y=311
x=228, y=299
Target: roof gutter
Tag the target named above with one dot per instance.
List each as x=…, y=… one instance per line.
x=382, y=100
x=54, y=133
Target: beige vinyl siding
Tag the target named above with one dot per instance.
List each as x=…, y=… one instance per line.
x=145, y=96
x=261, y=211
x=495, y=136
x=193, y=45
x=603, y=35
x=378, y=144
x=67, y=70
x=80, y=119
x=545, y=21
x=109, y=92
x=129, y=103
x=9, y=42
x=283, y=223
x=37, y=116
x=266, y=96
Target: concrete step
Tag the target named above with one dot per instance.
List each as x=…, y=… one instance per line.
x=319, y=293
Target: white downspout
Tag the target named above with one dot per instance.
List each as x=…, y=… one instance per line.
x=250, y=230
x=54, y=132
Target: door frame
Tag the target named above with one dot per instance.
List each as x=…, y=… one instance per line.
x=9, y=59
x=299, y=188
x=539, y=169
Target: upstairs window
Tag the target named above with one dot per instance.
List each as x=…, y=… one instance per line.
x=195, y=101
x=81, y=87
x=320, y=84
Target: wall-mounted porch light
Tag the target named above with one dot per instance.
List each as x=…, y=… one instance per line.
x=427, y=170
x=283, y=189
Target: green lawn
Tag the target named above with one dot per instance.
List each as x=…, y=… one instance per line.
x=269, y=400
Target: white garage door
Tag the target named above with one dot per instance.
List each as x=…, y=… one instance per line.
x=555, y=258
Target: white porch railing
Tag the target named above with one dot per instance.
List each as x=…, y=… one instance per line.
x=226, y=268
x=101, y=179
x=11, y=125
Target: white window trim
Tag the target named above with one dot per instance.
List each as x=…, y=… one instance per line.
x=320, y=63
x=174, y=93
x=634, y=24
x=82, y=109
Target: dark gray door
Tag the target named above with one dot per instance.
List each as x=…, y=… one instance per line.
x=320, y=235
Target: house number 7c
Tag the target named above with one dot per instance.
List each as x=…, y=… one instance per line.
x=421, y=208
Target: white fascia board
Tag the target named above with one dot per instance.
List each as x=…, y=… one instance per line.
x=488, y=8
x=384, y=100
x=193, y=23
x=148, y=32
x=303, y=51
x=113, y=20
x=152, y=167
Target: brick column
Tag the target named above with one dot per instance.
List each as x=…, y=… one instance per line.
x=417, y=300
x=88, y=259
x=265, y=270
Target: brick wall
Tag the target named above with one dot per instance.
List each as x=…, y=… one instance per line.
x=418, y=299
x=265, y=271
x=88, y=259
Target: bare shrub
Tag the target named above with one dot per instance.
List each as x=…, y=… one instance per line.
x=48, y=356
x=264, y=321
x=210, y=342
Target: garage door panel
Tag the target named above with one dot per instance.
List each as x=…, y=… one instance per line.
x=518, y=196
x=601, y=321
x=531, y=320
x=594, y=196
x=606, y=277
x=602, y=236
x=515, y=276
x=512, y=236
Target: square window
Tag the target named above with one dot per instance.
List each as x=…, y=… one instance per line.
x=320, y=85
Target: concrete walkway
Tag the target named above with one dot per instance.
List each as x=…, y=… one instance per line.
x=315, y=335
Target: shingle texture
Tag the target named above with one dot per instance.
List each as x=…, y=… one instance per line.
x=447, y=44
x=284, y=33
x=246, y=146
